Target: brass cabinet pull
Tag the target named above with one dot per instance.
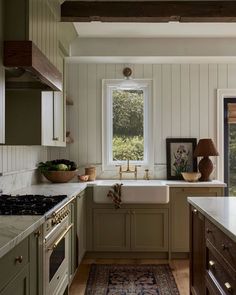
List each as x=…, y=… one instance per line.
x=37, y=234
x=19, y=259
x=228, y=287
x=211, y=263
x=61, y=237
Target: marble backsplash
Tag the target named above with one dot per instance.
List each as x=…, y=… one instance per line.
x=19, y=180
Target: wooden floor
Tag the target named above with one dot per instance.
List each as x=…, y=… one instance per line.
x=180, y=270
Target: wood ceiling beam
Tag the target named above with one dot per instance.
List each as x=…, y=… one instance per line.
x=148, y=11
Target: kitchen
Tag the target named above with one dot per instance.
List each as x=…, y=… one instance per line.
x=55, y=103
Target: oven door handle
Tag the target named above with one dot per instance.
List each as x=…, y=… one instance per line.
x=61, y=237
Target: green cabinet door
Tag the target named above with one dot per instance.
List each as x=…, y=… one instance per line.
x=111, y=230
x=81, y=225
x=149, y=230
x=19, y=285
x=73, y=243
x=179, y=213
x=36, y=262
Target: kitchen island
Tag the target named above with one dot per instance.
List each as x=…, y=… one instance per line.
x=212, y=245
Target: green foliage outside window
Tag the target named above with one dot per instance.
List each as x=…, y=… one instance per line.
x=128, y=141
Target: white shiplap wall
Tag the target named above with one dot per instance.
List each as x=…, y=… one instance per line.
x=184, y=104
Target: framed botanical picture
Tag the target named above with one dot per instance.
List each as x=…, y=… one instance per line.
x=179, y=152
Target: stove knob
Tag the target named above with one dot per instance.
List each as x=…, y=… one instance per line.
x=19, y=259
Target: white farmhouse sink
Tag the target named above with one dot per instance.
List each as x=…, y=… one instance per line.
x=133, y=191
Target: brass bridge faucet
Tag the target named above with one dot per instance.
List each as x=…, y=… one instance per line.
x=128, y=170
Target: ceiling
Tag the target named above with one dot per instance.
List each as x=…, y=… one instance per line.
x=155, y=30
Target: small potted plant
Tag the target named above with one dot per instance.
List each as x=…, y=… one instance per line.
x=58, y=171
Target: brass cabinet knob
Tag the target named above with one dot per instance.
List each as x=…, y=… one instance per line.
x=19, y=259
x=211, y=263
x=228, y=287
x=195, y=211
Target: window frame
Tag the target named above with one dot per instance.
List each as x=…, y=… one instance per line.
x=108, y=85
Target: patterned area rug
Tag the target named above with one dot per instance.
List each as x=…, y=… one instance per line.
x=131, y=280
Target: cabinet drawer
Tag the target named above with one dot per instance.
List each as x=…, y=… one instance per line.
x=13, y=262
x=212, y=288
x=224, y=278
x=221, y=242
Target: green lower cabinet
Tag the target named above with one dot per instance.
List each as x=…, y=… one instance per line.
x=130, y=230
x=149, y=230
x=21, y=268
x=111, y=230
x=179, y=213
x=19, y=285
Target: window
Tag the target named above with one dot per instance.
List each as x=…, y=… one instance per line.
x=127, y=123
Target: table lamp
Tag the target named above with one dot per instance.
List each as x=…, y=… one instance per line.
x=205, y=148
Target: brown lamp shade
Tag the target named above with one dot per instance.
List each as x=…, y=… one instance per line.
x=205, y=148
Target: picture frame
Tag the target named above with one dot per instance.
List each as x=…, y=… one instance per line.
x=179, y=156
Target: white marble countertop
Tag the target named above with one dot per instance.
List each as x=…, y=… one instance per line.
x=13, y=229
x=219, y=210
x=170, y=183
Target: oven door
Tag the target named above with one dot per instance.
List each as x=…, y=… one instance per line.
x=56, y=272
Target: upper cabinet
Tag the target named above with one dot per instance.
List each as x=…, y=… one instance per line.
x=2, y=81
x=37, y=21
x=35, y=117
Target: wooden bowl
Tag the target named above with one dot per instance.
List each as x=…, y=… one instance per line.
x=191, y=176
x=60, y=176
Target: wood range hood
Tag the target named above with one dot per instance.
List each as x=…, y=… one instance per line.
x=25, y=58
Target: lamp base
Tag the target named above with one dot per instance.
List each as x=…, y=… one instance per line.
x=205, y=167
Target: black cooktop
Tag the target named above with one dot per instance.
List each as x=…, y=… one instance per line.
x=28, y=204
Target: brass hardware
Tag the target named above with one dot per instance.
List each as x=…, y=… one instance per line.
x=128, y=170
x=211, y=263
x=19, y=259
x=58, y=210
x=37, y=234
x=195, y=211
x=228, y=287
x=61, y=237
x=146, y=175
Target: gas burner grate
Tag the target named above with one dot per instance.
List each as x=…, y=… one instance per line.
x=28, y=204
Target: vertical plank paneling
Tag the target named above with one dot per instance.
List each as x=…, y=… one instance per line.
x=73, y=92
x=194, y=100
x=185, y=101
x=92, y=112
x=222, y=70
x=184, y=98
x=138, y=71
x=212, y=86
x=204, y=101
x=232, y=76
x=101, y=72
x=166, y=107
x=158, y=115
x=176, y=102
x=83, y=106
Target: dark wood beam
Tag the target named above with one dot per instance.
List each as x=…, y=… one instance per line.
x=148, y=11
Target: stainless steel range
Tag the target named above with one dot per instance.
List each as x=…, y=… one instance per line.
x=55, y=234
